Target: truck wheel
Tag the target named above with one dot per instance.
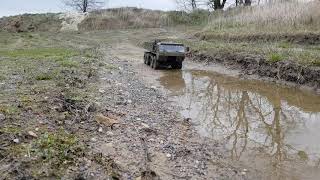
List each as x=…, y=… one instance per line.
x=149, y=61
x=177, y=65
x=145, y=59
x=155, y=63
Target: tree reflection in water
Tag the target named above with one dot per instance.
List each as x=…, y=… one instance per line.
x=253, y=118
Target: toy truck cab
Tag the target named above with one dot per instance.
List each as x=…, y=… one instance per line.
x=165, y=54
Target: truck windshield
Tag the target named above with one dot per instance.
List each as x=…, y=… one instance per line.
x=172, y=48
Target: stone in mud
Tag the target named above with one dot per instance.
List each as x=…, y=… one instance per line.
x=17, y=141
x=107, y=121
x=32, y=134
x=108, y=149
x=2, y=117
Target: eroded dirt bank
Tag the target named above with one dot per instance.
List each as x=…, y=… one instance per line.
x=257, y=65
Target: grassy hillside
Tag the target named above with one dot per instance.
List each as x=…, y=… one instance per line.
x=123, y=18
x=278, y=32
x=31, y=23
x=282, y=31
x=286, y=17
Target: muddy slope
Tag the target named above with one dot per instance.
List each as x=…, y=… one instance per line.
x=256, y=65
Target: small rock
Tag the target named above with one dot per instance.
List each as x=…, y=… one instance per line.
x=93, y=139
x=109, y=133
x=169, y=155
x=100, y=129
x=102, y=91
x=107, y=121
x=138, y=119
x=161, y=142
x=243, y=173
x=145, y=125
x=16, y=140
x=37, y=129
x=129, y=101
x=153, y=87
x=32, y=134
x=245, y=170
x=2, y=117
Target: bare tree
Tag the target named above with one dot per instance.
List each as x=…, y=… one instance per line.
x=216, y=4
x=187, y=4
x=84, y=5
x=191, y=5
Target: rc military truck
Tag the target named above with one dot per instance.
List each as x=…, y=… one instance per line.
x=167, y=54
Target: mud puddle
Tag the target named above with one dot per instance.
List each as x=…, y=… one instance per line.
x=270, y=128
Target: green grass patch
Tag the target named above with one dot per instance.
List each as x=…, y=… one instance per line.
x=39, y=53
x=10, y=130
x=316, y=62
x=2, y=77
x=285, y=45
x=9, y=110
x=44, y=77
x=69, y=63
x=57, y=150
x=275, y=57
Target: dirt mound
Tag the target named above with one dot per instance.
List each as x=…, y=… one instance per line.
x=122, y=18
x=31, y=22
x=71, y=20
x=255, y=65
x=300, y=38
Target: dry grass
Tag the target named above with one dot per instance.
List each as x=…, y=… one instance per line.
x=279, y=17
x=133, y=18
x=122, y=18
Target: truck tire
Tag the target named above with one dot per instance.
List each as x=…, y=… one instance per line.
x=177, y=65
x=149, y=61
x=145, y=59
x=155, y=63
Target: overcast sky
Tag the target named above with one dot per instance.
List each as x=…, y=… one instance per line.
x=13, y=7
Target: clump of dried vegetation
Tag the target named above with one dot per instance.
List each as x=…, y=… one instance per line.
x=285, y=16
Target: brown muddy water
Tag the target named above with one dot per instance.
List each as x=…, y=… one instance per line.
x=270, y=128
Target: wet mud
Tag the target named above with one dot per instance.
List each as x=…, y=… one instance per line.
x=271, y=128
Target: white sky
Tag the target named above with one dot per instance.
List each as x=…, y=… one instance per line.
x=14, y=7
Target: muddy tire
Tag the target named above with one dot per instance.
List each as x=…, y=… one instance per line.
x=145, y=59
x=154, y=63
x=177, y=65
x=149, y=60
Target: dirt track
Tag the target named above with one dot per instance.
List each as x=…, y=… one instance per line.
x=128, y=122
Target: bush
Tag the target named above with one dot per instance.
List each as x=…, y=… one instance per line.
x=197, y=17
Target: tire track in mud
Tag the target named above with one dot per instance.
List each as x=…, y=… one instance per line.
x=165, y=146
